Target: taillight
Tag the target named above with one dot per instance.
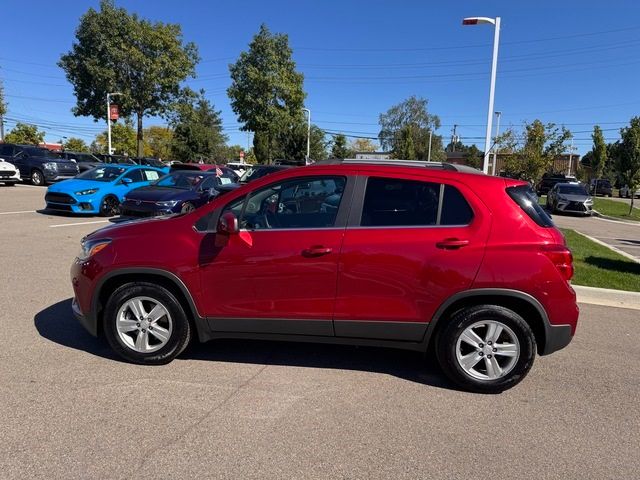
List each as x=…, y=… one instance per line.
x=562, y=258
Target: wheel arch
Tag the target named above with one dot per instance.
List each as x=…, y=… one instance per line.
x=521, y=303
x=114, y=280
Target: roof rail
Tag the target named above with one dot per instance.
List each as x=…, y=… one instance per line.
x=400, y=163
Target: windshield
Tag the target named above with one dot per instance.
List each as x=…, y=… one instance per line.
x=186, y=180
x=572, y=190
x=253, y=173
x=102, y=174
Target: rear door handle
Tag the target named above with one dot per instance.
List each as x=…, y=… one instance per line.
x=452, y=243
x=316, y=251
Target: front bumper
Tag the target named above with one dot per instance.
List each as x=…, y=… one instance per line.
x=87, y=321
x=574, y=207
x=9, y=176
x=63, y=202
x=131, y=208
x=55, y=176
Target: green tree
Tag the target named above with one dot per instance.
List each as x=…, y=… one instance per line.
x=197, y=129
x=74, y=144
x=628, y=160
x=123, y=140
x=363, y=145
x=473, y=156
x=3, y=110
x=158, y=141
x=404, y=130
x=119, y=52
x=25, y=133
x=540, y=146
x=339, y=147
x=266, y=91
x=598, y=158
x=291, y=143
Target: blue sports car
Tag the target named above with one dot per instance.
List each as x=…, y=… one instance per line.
x=180, y=192
x=100, y=190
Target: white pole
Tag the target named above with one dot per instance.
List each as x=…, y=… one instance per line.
x=494, y=66
x=495, y=147
x=306, y=162
x=429, y=154
x=108, y=124
x=570, y=158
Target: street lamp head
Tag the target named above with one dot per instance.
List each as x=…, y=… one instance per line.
x=478, y=20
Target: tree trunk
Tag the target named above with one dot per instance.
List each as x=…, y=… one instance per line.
x=140, y=144
x=631, y=204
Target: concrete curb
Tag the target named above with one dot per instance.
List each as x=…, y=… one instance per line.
x=595, y=213
x=607, y=297
x=610, y=247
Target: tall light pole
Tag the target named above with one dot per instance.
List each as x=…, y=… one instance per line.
x=494, y=65
x=430, y=137
x=495, y=147
x=308, y=112
x=109, y=95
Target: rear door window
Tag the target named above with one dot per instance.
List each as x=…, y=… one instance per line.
x=393, y=202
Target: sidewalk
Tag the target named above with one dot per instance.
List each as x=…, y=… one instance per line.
x=607, y=297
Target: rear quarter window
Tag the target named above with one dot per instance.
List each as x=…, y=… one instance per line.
x=527, y=200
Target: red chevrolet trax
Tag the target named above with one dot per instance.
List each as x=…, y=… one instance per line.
x=411, y=255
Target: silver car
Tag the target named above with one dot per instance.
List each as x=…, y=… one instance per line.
x=570, y=198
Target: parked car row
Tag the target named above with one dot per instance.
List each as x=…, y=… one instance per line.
x=140, y=191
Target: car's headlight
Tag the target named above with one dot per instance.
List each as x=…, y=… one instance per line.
x=168, y=203
x=87, y=192
x=89, y=248
x=50, y=165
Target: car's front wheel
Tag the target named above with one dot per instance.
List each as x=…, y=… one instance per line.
x=37, y=178
x=109, y=206
x=145, y=323
x=486, y=348
x=187, y=207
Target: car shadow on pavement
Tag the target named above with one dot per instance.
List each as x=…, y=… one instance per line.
x=58, y=213
x=404, y=364
x=57, y=324
x=621, y=266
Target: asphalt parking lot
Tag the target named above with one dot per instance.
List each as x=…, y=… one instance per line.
x=237, y=409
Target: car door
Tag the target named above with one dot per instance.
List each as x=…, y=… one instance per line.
x=278, y=275
x=20, y=161
x=409, y=245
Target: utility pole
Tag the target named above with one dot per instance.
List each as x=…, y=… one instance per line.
x=109, y=95
x=570, y=154
x=429, y=154
x=306, y=161
x=1, y=128
x=454, y=138
x=495, y=147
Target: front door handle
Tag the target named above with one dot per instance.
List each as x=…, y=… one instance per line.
x=316, y=251
x=452, y=244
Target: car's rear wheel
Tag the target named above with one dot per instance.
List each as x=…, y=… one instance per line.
x=109, y=206
x=145, y=323
x=486, y=348
x=187, y=207
x=37, y=178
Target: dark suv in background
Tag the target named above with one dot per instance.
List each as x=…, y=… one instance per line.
x=39, y=165
x=550, y=179
x=85, y=161
x=601, y=186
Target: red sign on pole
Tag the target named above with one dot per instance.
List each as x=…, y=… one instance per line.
x=113, y=112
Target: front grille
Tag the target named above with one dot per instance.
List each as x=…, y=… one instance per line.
x=63, y=208
x=576, y=206
x=55, y=197
x=7, y=173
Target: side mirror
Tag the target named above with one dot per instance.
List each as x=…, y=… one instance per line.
x=228, y=224
x=126, y=181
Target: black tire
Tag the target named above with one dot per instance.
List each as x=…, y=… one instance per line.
x=10, y=184
x=447, y=339
x=187, y=207
x=37, y=178
x=109, y=206
x=180, y=332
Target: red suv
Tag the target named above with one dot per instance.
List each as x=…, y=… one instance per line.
x=410, y=255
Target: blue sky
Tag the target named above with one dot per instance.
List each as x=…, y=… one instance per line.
x=575, y=62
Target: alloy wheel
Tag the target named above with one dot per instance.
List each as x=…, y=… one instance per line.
x=144, y=324
x=487, y=350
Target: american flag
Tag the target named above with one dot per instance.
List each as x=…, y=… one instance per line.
x=219, y=172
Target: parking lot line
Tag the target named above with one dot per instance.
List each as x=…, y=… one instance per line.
x=20, y=211
x=29, y=186
x=78, y=223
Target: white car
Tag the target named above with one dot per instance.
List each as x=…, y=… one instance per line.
x=9, y=174
x=626, y=192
